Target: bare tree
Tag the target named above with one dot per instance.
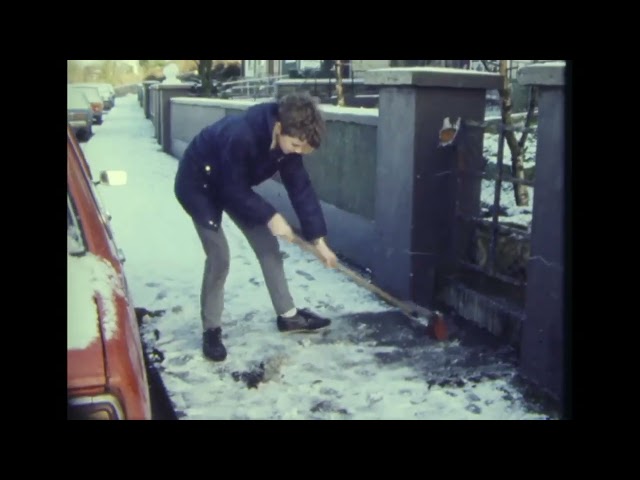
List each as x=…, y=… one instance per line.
x=74, y=71
x=516, y=147
x=204, y=70
x=108, y=71
x=339, y=86
x=152, y=69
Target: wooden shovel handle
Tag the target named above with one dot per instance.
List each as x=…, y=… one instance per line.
x=434, y=319
x=356, y=277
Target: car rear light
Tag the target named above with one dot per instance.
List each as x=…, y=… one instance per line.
x=99, y=407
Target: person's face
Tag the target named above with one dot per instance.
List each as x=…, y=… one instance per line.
x=293, y=145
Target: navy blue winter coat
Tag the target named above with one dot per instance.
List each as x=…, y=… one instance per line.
x=226, y=159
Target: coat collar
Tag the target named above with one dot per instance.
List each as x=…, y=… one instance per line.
x=262, y=119
x=272, y=118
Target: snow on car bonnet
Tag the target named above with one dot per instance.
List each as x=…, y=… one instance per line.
x=87, y=276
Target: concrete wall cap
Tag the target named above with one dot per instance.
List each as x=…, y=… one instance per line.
x=433, y=77
x=548, y=73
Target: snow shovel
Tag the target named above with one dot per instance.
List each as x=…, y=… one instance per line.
x=432, y=320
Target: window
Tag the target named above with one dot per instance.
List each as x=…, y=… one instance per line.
x=75, y=240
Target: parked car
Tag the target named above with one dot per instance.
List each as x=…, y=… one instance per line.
x=106, y=376
x=112, y=91
x=106, y=91
x=79, y=114
x=93, y=95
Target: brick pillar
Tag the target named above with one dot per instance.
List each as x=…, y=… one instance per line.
x=416, y=184
x=165, y=93
x=543, y=336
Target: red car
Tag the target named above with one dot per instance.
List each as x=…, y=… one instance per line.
x=106, y=376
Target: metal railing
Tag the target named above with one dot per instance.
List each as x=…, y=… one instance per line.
x=259, y=87
x=496, y=225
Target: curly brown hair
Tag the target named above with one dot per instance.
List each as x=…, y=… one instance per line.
x=300, y=118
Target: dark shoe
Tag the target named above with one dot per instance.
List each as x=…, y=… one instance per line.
x=212, y=346
x=303, y=321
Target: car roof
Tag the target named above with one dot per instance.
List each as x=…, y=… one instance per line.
x=77, y=99
x=93, y=93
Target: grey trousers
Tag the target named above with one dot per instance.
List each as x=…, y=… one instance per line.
x=216, y=268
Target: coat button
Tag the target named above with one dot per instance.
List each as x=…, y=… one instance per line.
x=206, y=186
x=212, y=223
x=207, y=168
